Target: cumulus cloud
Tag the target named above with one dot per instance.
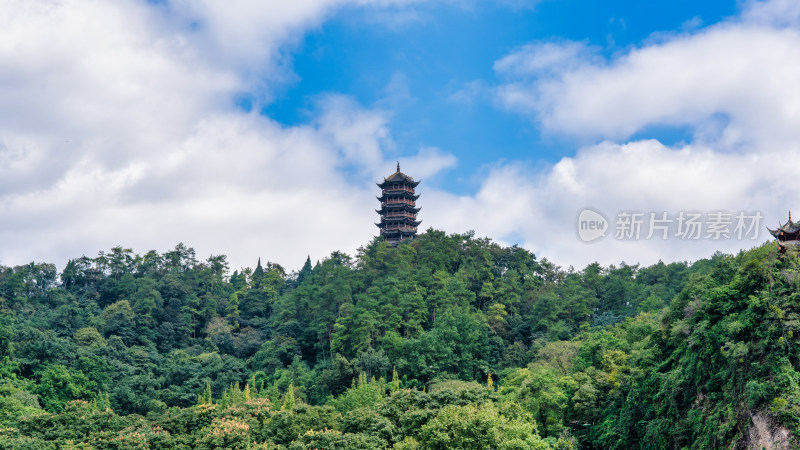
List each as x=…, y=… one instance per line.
x=119, y=129
x=235, y=32
x=741, y=70
x=539, y=208
x=360, y=134
x=87, y=79
x=733, y=84
x=772, y=13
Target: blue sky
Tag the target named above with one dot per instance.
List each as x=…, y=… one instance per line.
x=417, y=66
x=258, y=129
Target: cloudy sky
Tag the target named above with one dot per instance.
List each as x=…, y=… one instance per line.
x=257, y=128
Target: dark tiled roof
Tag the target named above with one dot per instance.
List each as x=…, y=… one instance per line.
x=788, y=228
x=399, y=177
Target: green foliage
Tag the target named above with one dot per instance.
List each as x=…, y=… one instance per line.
x=363, y=393
x=288, y=399
x=225, y=433
x=16, y=403
x=57, y=385
x=394, y=385
x=366, y=421
x=336, y=440
x=166, y=351
x=283, y=427
x=88, y=337
x=478, y=427
x=206, y=399
x=540, y=393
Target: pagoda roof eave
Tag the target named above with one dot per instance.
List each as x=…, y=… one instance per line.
x=407, y=196
x=788, y=227
x=787, y=233
x=399, y=177
x=385, y=209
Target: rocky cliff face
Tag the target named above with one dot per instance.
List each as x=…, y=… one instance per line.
x=766, y=433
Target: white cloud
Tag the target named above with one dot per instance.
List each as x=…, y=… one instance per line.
x=248, y=33
x=540, y=209
x=255, y=34
x=545, y=58
x=359, y=134
x=746, y=72
x=118, y=129
x=773, y=13
x=428, y=162
x=468, y=93
x=733, y=84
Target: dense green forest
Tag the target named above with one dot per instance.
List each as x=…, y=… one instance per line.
x=447, y=341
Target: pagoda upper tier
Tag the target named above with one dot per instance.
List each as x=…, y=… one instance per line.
x=787, y=234
x=397, y=180
x=398, y=207
x=389, y=195
x=391, y=208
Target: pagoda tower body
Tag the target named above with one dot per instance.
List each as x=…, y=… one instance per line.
x=788, y=234
x=398, y=207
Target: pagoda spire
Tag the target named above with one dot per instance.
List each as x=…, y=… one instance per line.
x=398, y=169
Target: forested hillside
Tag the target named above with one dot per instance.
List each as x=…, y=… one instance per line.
x=447, y=341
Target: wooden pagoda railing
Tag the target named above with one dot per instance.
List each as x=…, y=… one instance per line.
x=401, y=215
x=399, y=228
x=400, y=201
x=390, y=190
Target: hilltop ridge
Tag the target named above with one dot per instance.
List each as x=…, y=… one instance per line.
x=416, y=346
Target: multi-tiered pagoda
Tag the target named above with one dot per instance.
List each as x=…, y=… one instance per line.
x=398, y=208
x=788, y=234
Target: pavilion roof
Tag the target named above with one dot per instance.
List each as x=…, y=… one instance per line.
x=788, y=227
x=399, y=176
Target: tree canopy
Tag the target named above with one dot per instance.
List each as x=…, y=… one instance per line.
x=446, y=341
